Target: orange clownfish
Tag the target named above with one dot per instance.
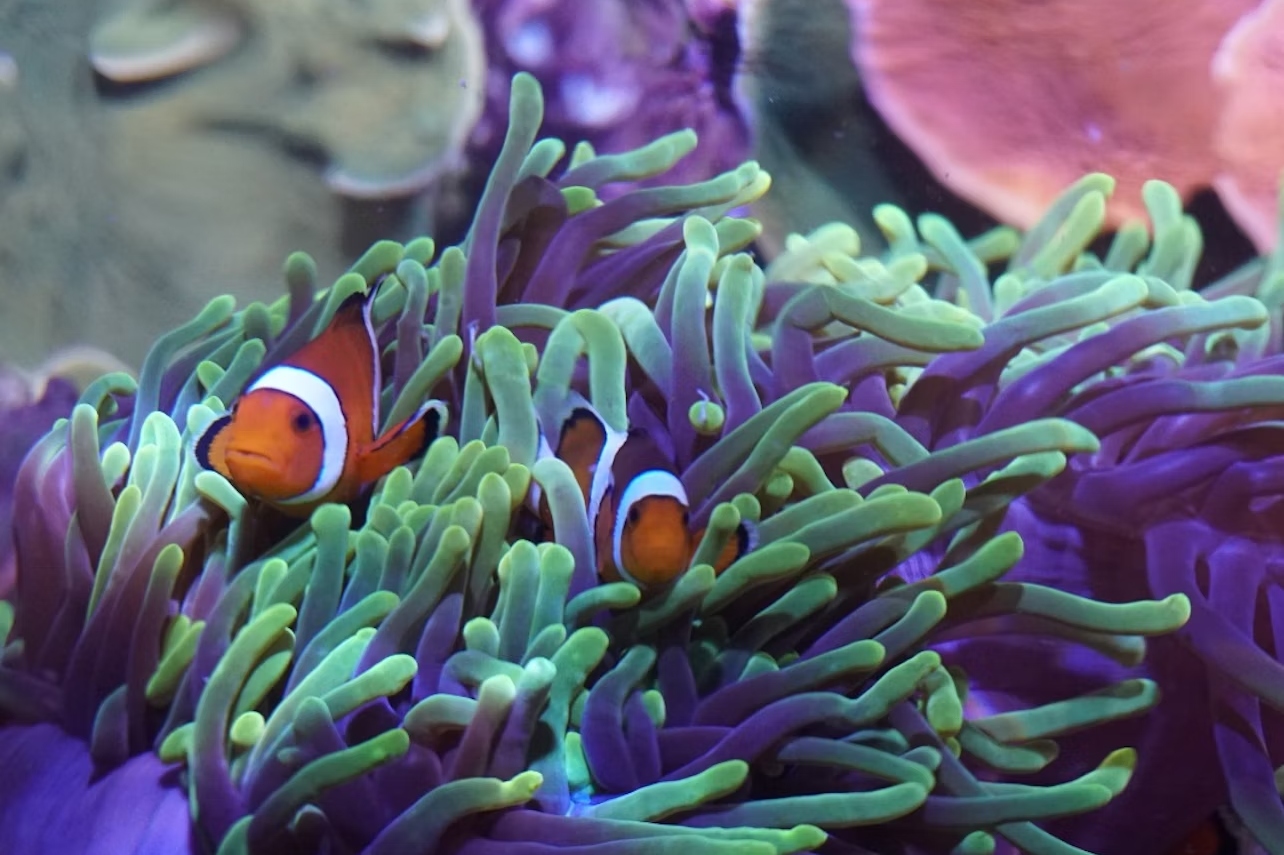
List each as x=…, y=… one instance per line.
x=1210, y=837
x=303, y=432
x=637, y=507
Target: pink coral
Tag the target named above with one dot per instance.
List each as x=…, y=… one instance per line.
x=1249, y=70
x=1007, y=103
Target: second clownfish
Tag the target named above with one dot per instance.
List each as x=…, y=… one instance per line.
x=304, y=431
x=637, y=507
x=1210, y=837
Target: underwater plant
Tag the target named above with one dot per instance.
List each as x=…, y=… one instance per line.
x=430, y=671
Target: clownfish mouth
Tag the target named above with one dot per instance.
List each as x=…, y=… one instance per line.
x=246, y=454
x=248, y=467
x=256, y=474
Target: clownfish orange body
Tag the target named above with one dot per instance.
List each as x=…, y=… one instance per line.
x=304, y=432
x=1210, y=837
x=637, y=507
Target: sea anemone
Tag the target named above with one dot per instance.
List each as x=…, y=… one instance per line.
x=1182, y=391
x=309, y=75
x=1181, y=498
x=416, y=674
x=27, y=411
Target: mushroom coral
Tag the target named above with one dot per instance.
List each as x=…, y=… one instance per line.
x=417, y=674
x=159, y=134
x=1007, y=104
x=308, y=73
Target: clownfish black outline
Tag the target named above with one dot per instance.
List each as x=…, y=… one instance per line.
x=304, y=431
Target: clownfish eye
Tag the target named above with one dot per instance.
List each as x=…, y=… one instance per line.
x=301, y=422
x=634, y=515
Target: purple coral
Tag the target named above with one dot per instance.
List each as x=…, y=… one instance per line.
x=619, y=73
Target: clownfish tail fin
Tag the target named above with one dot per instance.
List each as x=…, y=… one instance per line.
x=743, y=541
x=210, y=446
x=403, y=442
x=747, y=536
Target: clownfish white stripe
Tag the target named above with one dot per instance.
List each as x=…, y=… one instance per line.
x=653, y=482
x=376, y=385
x=601, y=475
x=320, y=397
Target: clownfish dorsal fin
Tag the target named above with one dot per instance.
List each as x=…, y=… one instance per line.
x=402, y=442
x=211, y=445
x=587, y=445
x=582, y=440
x=603, y=473
x=570, y=437
x=345, y=354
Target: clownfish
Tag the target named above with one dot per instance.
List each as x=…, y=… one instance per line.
x=303, y=432
x=637, y=507
x=1210, y=837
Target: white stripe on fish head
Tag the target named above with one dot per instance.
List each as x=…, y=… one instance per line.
x=602, y=472
x=653, y=482
x=319, y=396
x=376, y=382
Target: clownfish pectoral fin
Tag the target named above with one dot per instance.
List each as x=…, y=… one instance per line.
x=211, y=446
x=401, y=443
x=1210, y=837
